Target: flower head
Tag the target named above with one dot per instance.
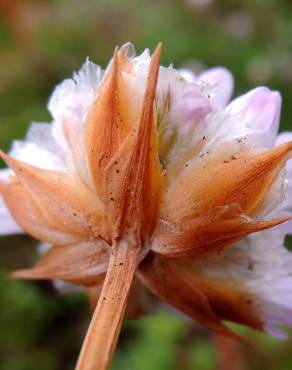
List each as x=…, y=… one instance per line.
x=149, y=173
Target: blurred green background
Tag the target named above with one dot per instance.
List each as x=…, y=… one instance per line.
x=41, y=42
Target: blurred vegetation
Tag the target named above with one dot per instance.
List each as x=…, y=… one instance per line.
x=42, y=42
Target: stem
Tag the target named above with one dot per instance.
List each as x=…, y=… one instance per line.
x=230, y=354
x=102, y=335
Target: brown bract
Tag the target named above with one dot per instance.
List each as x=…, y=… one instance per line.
x=139, y=221
x=122, y=149
x=210, y=206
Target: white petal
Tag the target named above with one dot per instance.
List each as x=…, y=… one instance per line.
x=270, y=278
x=5, y=175
x=223, y=83
x=258, y=110
x=35, y=155
x=260, y=266
x=69, y=105
x=7, y=223
x=65, y=287
x=187, y=74
x=285, y=137
x=72, y=97
x=287, y=227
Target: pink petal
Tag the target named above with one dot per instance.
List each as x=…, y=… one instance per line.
x=223, y=82
x=259, y=110
x=188, y=103
x=194, y=105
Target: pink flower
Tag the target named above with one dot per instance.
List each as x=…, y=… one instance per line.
x=151, y=175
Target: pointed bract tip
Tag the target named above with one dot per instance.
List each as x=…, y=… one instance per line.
x=3, y=156
x=29, y=274
x=18, y=274
x=159, y=47
x=14, y=164
x=115, y=57
x=287, y=145
x=6, y=158
x=154, y=67
x=284, y=150
x=267, y=224
x=157, y=52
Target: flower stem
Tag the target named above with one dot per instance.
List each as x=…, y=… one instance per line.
x=102, y=335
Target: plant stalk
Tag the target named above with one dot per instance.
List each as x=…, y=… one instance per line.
x=102, y=335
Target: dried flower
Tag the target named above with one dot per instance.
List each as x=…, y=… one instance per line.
x=147, y=173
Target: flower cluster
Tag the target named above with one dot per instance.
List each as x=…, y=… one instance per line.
x=152, y=175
